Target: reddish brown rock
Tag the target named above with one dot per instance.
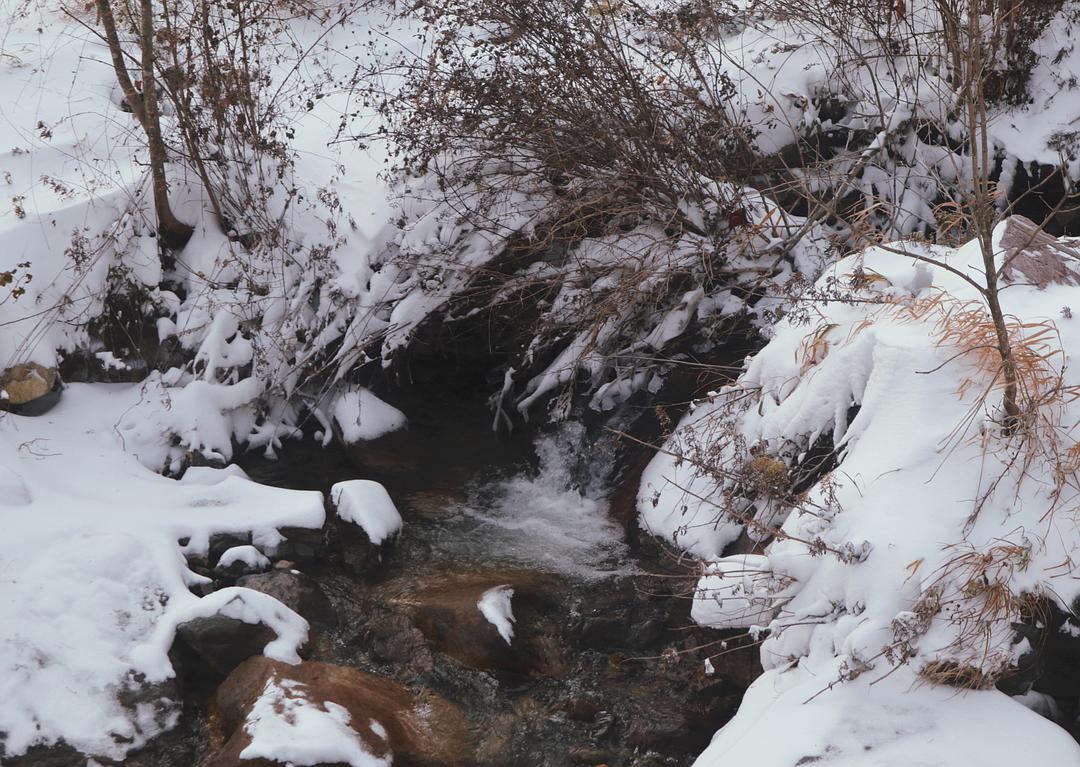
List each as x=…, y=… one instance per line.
x=422, y=729
x=444, y=608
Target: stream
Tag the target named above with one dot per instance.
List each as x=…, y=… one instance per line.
x=604, y=666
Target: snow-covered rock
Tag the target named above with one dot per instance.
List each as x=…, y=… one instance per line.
x=361, y=416
x=366, y=503
x=315, y=714
x=242, y=559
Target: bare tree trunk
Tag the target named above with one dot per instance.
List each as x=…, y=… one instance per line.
x=983, y=209
x=173, y=232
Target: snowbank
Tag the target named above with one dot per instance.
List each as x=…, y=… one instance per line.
x=792, y=717
x=94, y=580
x=908, y=562
x=362, y=416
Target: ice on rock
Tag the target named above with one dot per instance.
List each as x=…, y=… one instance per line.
x=367, y=504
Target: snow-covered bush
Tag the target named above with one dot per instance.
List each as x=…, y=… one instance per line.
x=906, y=522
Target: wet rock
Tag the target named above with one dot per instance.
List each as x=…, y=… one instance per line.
x=619, y=618
x=658, y=725
x=393, y=637
x=29, y=388
x=591, y=756
x=296, y=591
x=420, y=729
x=219, y=643
x=302, y=544
x=583, y=709
x=445, y=610
x=432, y=504
x=356, y=551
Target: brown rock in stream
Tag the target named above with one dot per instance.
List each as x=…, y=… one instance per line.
x=419, y=729
x=444, y=607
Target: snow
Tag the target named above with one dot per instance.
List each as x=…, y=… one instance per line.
x=731, y=595
x=890, y=719
x=366, y=503
x=362, y=416
x=247, y=555
x=93, y=581
x=878, y=573
x=287, y=727
x=495, y=606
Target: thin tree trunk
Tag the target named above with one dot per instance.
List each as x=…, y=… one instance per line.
x=983, y=209
x=173, y=232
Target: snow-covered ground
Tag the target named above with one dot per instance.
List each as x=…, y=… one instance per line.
x=94, y=579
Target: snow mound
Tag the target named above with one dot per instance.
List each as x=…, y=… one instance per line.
x=247, y=555
x=367, y=504
x=362, y=416
x=495, y=606
x=732, y=594
x=287, y=727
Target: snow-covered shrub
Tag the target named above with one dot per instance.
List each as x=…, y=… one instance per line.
x=938, y=523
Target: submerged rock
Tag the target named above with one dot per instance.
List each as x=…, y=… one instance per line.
x=448, y=613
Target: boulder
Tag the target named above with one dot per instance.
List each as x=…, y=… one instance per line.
x=29, y=388
x=417, y=729
x=222, y=643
